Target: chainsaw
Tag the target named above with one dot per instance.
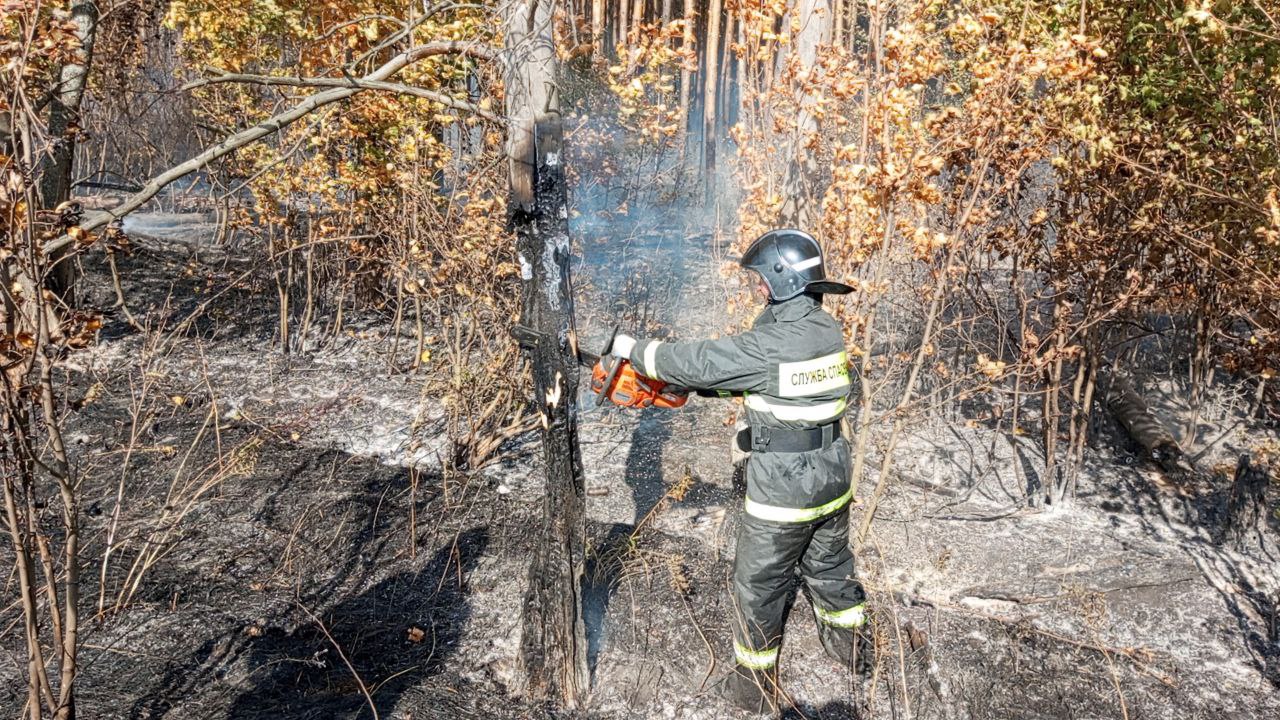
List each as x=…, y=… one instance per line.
x=615, y=379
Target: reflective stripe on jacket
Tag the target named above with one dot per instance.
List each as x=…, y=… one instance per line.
x=793, y=370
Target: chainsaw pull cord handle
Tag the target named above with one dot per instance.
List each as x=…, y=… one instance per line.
x=614, y=367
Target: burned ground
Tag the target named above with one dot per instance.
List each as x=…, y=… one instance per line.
x=313, y=551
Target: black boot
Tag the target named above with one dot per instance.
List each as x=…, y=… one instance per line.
x=851, y=647
x=752, y=690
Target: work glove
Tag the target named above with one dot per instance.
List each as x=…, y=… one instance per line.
x=737, y=453
x=622, y=346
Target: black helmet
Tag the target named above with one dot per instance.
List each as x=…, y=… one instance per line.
x=790, y=261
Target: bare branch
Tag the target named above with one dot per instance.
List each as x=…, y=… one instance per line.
x=270, y=126
x=409, y=27
x=356, y=21
x=397, y=88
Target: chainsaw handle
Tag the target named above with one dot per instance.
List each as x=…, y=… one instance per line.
x=612, y=373
x=610, y=376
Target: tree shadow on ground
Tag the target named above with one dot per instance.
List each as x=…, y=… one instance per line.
x=1194, y=520
x=293, y=670
x=395, y=634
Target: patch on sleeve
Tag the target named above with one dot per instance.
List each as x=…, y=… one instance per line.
x=813, y=377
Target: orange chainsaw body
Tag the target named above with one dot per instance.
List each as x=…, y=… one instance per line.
x=629, y=389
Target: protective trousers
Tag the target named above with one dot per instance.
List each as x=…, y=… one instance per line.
x=767, y=559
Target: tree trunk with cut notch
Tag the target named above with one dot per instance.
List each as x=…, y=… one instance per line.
x=553, y=640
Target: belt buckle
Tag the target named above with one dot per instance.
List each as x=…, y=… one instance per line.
x=762, y=438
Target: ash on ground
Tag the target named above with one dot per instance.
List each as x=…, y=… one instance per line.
x=319, y=562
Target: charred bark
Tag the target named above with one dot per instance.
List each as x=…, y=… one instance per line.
x=553, y=641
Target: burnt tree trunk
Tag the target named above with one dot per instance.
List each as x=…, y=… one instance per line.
x=553, y=641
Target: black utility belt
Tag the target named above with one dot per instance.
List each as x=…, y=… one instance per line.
x=775, y=439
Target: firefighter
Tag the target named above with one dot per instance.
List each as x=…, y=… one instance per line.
x=792, y=371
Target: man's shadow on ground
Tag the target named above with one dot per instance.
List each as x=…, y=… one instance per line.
x=643, y=475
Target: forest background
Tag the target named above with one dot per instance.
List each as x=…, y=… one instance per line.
x=1028, y=197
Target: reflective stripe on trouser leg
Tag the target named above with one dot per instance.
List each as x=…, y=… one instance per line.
x=755, y=659
x=795, y=515
x=828, y=571
x=764, y=565
x=853, y=617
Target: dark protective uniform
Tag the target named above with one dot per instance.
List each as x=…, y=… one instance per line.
x=792, y=370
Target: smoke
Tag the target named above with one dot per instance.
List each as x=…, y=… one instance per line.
x=621, y=172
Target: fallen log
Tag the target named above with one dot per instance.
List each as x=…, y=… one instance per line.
x=1145, y=428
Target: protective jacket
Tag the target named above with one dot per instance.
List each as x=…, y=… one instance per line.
x=792, y=369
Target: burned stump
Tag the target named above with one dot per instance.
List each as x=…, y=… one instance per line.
x=1245, y=525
